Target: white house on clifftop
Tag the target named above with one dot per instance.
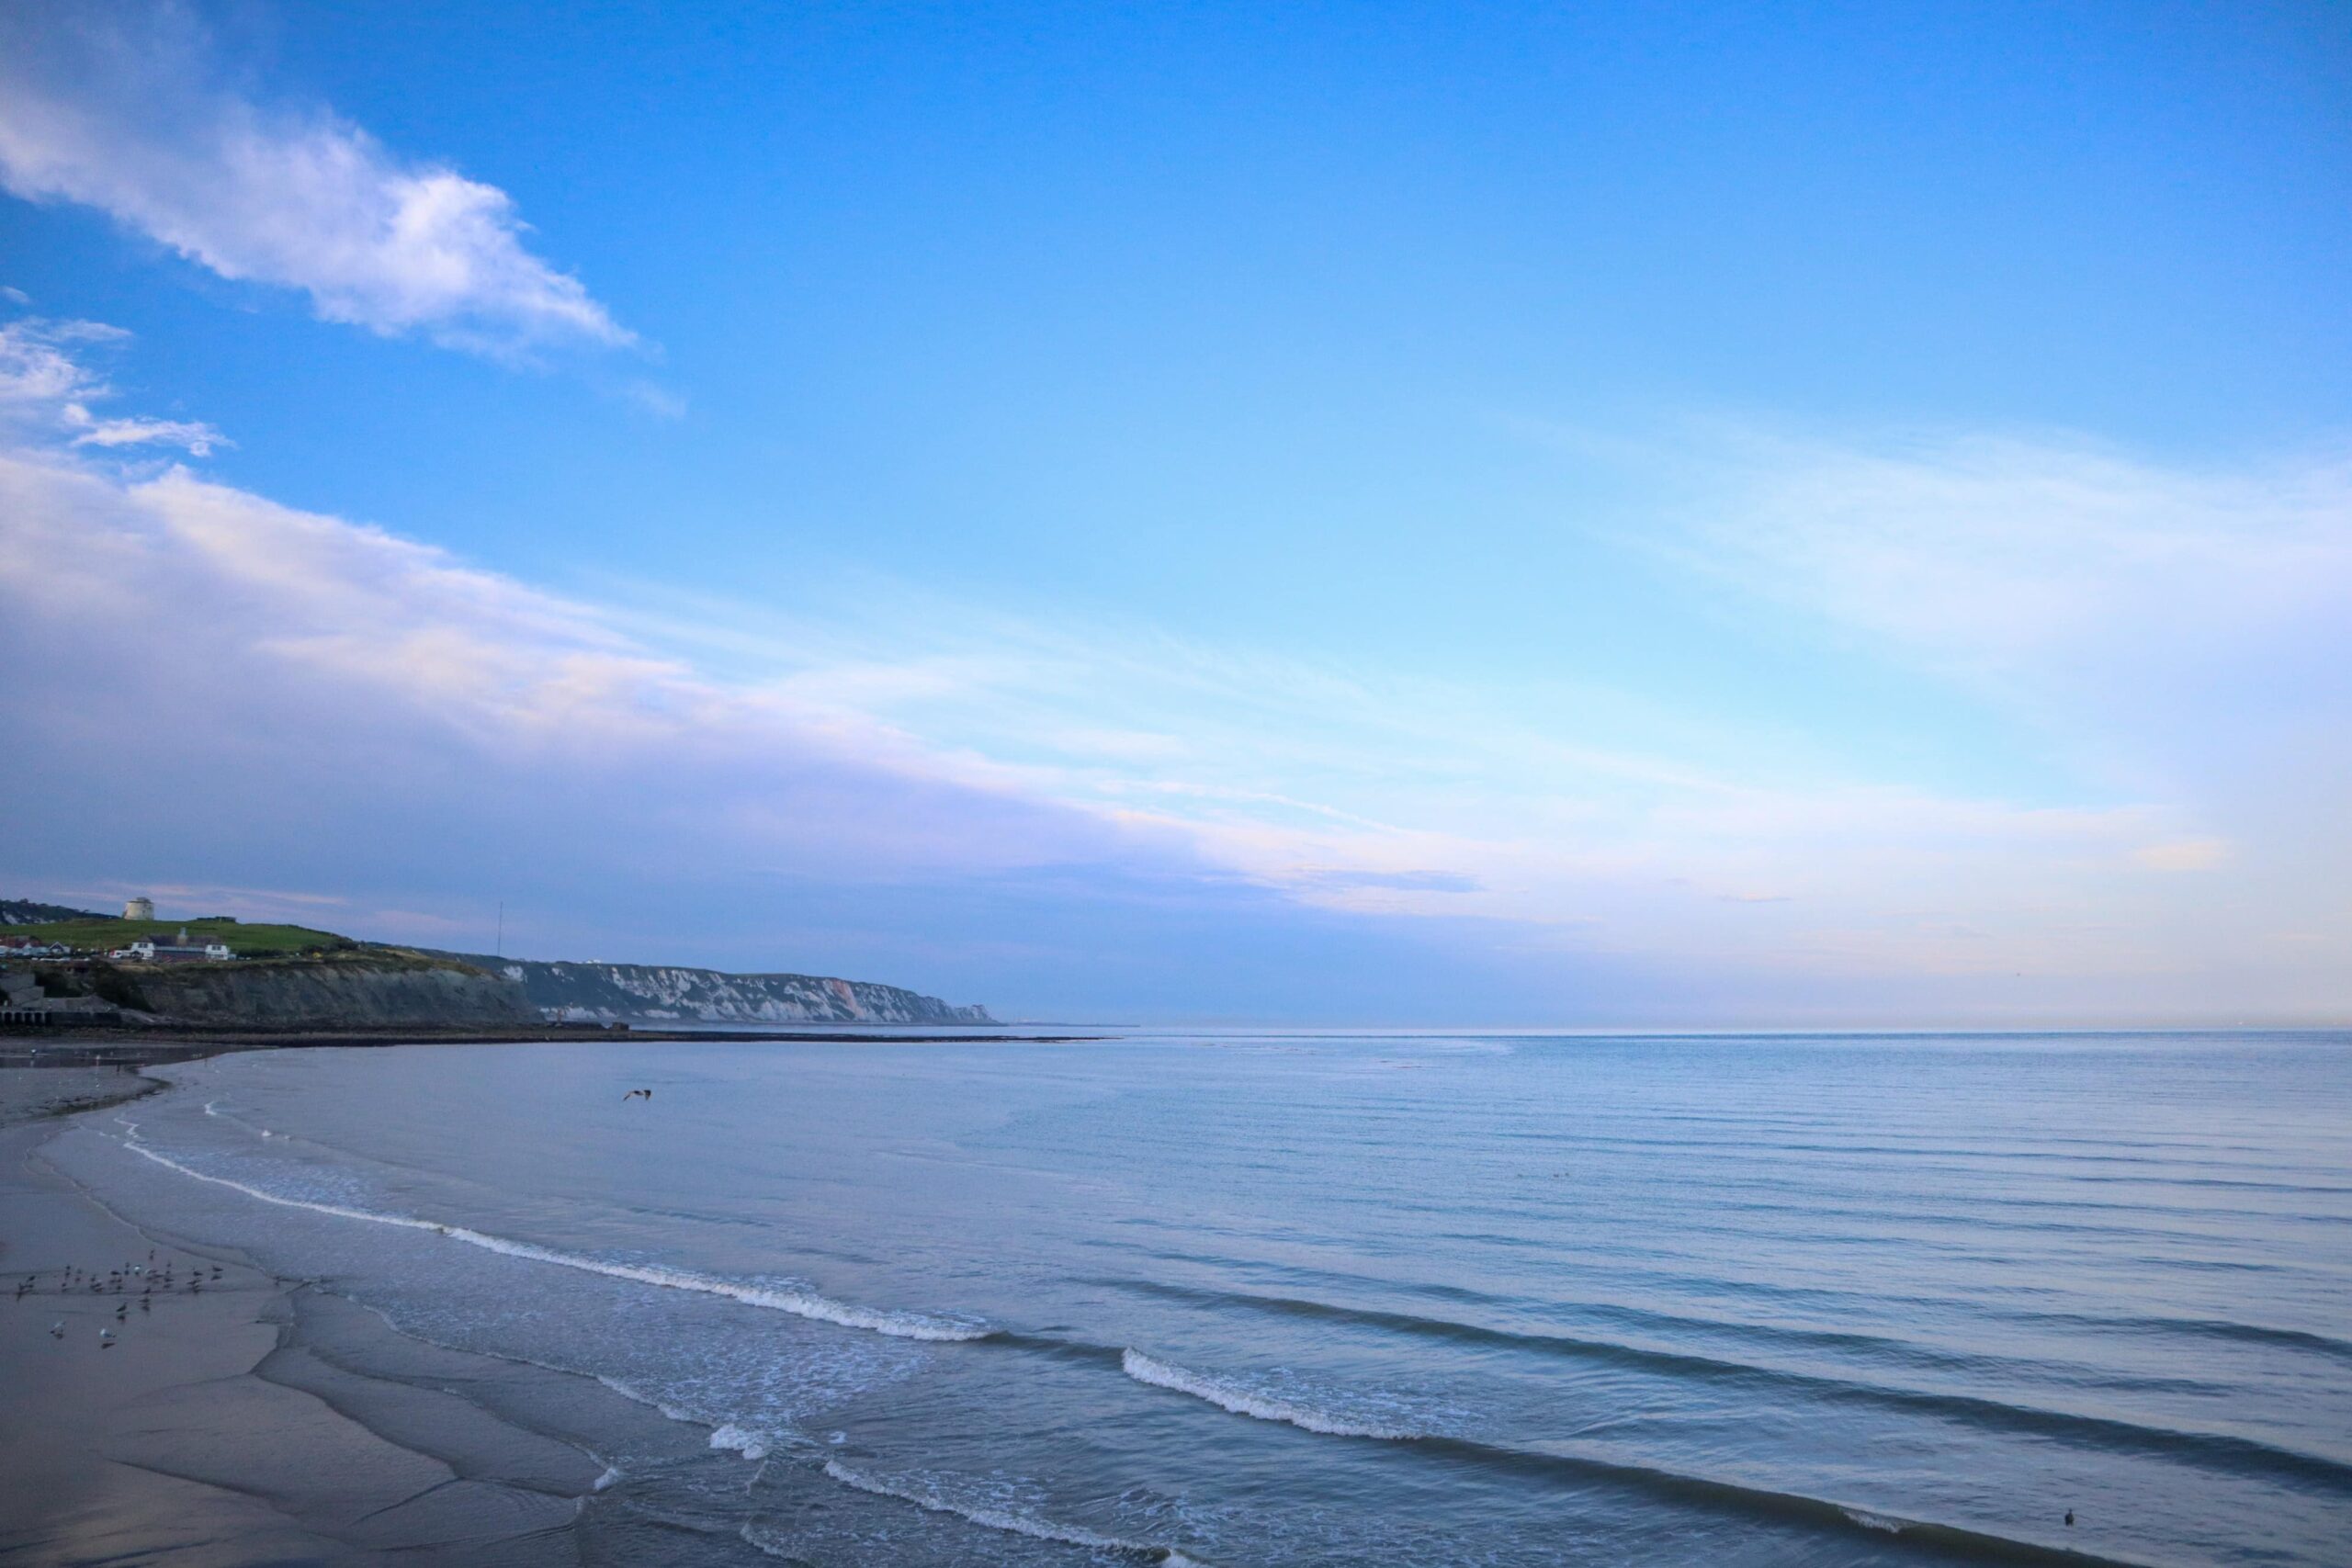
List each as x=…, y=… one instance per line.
x=182, y=949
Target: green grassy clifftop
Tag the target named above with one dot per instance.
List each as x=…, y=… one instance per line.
x=98, y=934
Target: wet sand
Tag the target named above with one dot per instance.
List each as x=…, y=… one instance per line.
x=30, y=1095
x=239, y=1422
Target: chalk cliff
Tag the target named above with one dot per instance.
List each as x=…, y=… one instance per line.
x=607, y=992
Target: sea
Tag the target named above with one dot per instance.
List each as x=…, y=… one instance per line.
x=1322, y=1298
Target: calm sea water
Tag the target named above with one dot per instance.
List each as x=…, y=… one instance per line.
x=1351, y=1299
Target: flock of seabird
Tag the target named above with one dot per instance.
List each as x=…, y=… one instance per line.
x=149, y=1278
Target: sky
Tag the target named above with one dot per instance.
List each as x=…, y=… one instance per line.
x=1660, y=516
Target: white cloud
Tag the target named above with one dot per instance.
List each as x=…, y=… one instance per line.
x=45, y=386
x=193, y=436
x=2172, y=629
x=1536, y=808
x=1996, y=554
x=329, y=708
x=338, y=694
x=121, y=110
x=265, y=629
x=2183, y=855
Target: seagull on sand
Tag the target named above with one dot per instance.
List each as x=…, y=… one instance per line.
x=105, y=1338
x=57, y=1329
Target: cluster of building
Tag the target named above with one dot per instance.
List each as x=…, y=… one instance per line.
x=180, y=949
x=23, y=999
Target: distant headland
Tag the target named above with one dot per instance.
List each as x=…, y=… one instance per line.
x=64, y=967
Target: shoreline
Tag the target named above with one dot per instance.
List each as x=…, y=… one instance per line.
x=268, y=1419
x=51, y=1049
x=247, y=1419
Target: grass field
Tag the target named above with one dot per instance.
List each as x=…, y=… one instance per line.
x=245, y=941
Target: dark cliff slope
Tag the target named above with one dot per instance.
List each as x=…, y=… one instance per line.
x=380, y=987
x=613, y=991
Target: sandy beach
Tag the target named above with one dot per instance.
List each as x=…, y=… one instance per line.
x=212, y=1430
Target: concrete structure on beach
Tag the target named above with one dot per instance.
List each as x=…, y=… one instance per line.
x=23, y=1000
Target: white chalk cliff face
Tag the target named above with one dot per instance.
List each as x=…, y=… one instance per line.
x=610, y=992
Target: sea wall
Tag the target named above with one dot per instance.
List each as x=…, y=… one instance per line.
x=608, y=992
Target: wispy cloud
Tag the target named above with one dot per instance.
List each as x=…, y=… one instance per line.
x=373, y=718
x=1399, y=881
x=1547, y=809
x=1089, y=806
x=122, y=109
x=2047, y=557
x=44, y=384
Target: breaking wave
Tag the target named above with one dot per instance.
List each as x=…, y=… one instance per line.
x=780, y=1297
x=1244, y=1400
x=751, y=1445
x=1870, y=1521
x=1003, y=1519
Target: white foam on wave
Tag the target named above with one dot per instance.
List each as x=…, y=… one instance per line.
x=612, y=1476
x=801, y=1301
x=749, y=1444
x=1243, y=1400
x=998, y=1518
x=1871, y=1521
x=213, y=1108
x=669, y=1412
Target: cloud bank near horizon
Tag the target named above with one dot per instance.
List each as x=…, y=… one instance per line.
x=273, y=712
x=122, y=109
x=1094, y=818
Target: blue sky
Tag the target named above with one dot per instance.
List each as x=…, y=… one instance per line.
x=1682, y=514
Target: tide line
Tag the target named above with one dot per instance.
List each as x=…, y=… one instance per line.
x=801, y=1302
